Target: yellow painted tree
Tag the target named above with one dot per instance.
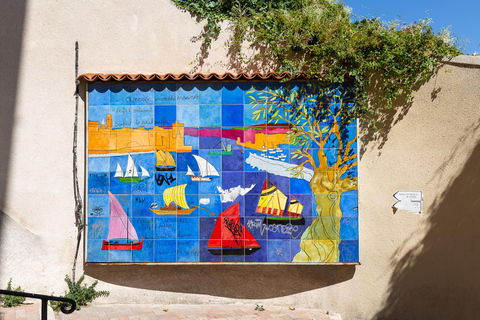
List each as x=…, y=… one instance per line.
x=322, y=134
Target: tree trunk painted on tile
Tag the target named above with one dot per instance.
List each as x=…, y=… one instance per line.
x=314, y=114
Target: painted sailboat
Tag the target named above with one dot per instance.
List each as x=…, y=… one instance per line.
x=175, y=202
x=226, y=149
x=230, y=237
x=165, y=161
x=131, y=174
x=273, y=203
x=121, y=233
x=207, y=170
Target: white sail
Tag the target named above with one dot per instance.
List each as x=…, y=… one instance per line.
x=206, y=168
x=189, y=172
x=119, y=172
x=144, y=172
x=131, y=171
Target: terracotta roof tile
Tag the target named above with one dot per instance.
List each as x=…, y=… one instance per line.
x=184, y=76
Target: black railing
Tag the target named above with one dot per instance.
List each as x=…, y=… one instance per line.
x=45, y=299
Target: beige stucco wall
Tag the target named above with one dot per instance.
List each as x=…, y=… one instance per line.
x=413, y=267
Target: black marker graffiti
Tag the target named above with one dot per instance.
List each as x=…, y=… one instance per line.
x=161, y=178
x=235, y=228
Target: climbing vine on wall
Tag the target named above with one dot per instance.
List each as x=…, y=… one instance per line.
x=324, y=39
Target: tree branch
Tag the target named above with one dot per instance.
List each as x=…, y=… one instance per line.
x=345, y=157
x=306, y=155
x=346, y=167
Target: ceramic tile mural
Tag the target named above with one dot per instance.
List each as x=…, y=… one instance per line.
x=221, y=172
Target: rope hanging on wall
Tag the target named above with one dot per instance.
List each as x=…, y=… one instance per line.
x=78, y=197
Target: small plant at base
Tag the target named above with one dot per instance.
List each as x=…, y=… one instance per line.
x=259, y=308
x=12, y=301
x=81, y=294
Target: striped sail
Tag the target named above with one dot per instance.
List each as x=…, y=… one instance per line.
x=295, y=208
x=176, y=195
x=272, y=201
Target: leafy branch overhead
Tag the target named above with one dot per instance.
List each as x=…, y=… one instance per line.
x=324, y=39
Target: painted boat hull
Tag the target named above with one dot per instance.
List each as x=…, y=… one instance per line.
x=300, y=221
x=159, y=168
x=132, y=180
x=198, y=178
x=107, y=245
x=177, y=212
x=233, y=251
x=227, y=153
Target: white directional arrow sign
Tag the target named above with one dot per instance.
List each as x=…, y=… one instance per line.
x=409, y=200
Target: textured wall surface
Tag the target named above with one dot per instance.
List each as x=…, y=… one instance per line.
x=412, y=266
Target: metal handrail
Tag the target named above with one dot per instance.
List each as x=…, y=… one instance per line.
x=45, y=299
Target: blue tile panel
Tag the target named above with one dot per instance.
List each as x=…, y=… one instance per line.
x=219, y=172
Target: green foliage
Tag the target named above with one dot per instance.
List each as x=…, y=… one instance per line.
x=259, y=308
x=324, y=40
x=81, y=294
x=12, y=301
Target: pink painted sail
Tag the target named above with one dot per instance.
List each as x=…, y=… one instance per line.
x=120, y=226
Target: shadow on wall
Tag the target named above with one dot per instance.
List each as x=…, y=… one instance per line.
x=12, y=16
x=233, y=62
x=239, y=282
x=385, y=119
x=439, y=278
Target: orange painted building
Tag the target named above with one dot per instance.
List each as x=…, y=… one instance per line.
x=263, y=141
x=102, y=138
